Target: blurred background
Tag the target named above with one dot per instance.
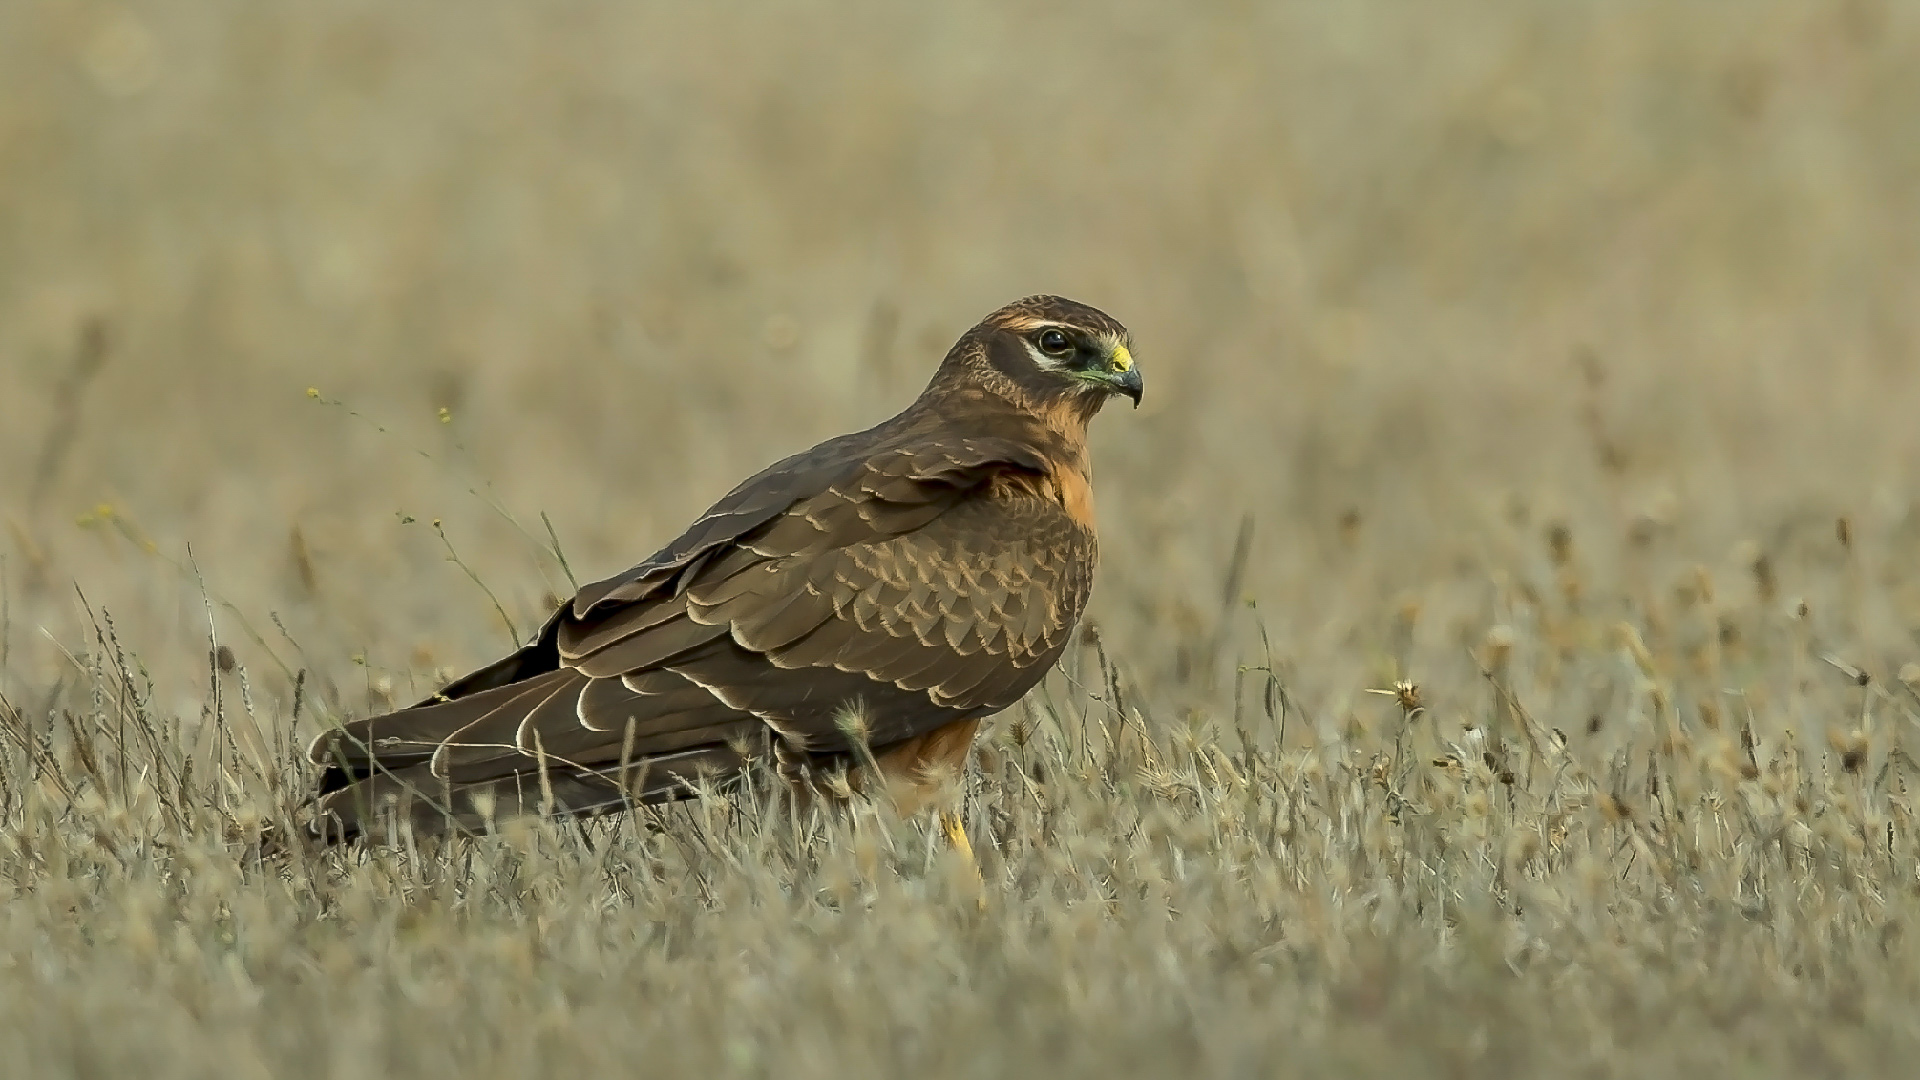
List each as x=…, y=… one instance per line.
x=1412, y=285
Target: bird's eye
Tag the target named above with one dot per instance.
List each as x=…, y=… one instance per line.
x=1055, y=343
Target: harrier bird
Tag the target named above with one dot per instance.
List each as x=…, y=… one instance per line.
x=894, y=586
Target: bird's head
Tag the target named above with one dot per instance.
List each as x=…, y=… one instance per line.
x=1055, y=352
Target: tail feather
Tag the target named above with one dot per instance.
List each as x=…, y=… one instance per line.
x=390, y=802
x=408, y=738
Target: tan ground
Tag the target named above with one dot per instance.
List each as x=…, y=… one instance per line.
x=1558, y=357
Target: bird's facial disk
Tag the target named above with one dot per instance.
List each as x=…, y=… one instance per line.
x=1090, y=361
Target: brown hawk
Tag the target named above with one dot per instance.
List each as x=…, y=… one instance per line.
x=894, y=585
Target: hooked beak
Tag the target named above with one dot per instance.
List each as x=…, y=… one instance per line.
x=1122, y=376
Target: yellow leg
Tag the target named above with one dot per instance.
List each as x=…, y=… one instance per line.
x=956, y=831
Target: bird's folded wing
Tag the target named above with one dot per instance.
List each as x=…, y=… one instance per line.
x=897, y=586
x=836, y=473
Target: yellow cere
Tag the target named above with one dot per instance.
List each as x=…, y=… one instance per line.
x=1122, y=359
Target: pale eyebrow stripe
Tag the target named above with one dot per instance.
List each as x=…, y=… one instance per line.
x=1028, y=322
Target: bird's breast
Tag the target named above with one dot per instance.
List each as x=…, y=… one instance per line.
x=1068, y=489
x=1074, y=491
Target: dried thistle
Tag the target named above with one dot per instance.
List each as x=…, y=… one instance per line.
x=1851, y=746
x=1407, y=695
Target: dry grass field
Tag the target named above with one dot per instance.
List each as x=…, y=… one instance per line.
x=1556, y=359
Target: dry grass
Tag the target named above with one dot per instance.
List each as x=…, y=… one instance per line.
x=1555, y=359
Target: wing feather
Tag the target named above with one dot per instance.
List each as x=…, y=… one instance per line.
x=782, y=621
x=648, y=649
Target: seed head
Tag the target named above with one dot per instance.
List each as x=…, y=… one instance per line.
x=1407, y=695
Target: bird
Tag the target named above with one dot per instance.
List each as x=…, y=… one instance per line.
x=862, y=604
